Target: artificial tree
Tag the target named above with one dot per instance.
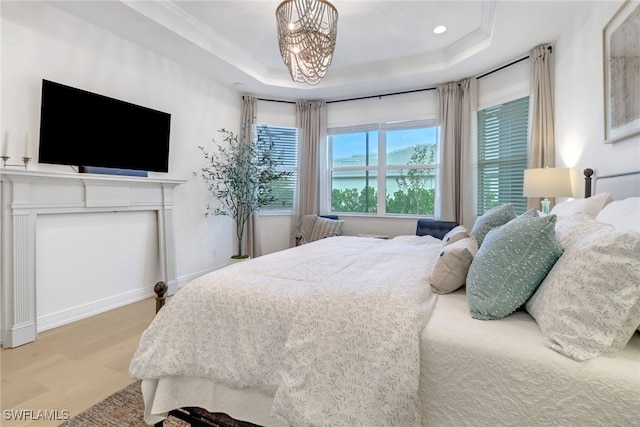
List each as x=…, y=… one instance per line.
x=239, y=175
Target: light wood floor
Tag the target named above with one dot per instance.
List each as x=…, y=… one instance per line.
x=72, y=367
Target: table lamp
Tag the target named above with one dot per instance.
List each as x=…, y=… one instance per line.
x=547, y=182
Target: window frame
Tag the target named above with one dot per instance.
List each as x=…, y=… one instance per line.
x=381, y=168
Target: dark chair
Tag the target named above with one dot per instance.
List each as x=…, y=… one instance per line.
x=329, y=216
x=435, y=228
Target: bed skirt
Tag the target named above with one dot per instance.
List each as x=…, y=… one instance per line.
x=168, y=393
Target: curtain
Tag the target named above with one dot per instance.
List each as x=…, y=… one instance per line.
x=542, y=149
x=456, y=118
x=248, y=135
x=311, y=121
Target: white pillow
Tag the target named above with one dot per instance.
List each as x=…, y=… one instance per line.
x=456, y=233
x=622, y=214
x=450, y=268
x=590, y=206
x=589, y=303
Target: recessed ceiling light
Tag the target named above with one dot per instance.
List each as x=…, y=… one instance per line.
x=440, y=29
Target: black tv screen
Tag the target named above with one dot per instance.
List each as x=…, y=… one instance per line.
x=85, y=129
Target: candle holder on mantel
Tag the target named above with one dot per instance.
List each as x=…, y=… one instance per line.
x=25, y=162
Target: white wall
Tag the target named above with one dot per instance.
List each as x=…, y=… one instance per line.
x=580, y=100
x=40, y=41
x=504, y=85
x=106, y=259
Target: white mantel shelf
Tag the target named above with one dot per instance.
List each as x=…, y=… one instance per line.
x=26, y=194
x=23, y=175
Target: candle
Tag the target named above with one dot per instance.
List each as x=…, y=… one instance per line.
x=5, y=146
x=26, y=145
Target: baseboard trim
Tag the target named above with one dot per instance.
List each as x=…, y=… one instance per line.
x=183, y=280
x=74, y=314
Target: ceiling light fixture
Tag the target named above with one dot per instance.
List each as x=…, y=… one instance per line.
x=307, y=32
x=440, y=29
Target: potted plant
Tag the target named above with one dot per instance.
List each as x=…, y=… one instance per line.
x=239, y=175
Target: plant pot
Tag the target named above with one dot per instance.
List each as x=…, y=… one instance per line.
x=238, y=258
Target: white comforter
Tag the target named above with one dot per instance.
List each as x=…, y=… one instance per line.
x=331, y=329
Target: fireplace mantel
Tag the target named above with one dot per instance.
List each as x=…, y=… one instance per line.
x=27, y=194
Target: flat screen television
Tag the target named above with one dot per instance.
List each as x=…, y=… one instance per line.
x=101, y=134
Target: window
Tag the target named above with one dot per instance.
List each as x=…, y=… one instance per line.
x=383, y=169
x=285, y=151
x=502, y=154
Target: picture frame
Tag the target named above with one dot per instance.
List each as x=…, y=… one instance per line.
x=621, y=61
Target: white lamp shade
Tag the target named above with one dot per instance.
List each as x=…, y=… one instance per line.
x=548, y=182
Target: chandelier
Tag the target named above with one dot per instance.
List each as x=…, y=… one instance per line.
x=307, y=32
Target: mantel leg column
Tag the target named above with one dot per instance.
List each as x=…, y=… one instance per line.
x=167, y=243
x=23, y=328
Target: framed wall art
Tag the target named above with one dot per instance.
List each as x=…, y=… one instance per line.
x=621, y=60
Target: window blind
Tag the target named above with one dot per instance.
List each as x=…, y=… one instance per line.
x=285, y=151
x=502, y=154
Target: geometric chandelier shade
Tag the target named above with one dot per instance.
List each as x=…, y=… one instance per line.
x=307, y=31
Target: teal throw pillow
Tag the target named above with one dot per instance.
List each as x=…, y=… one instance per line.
x=510, y=265
x=494, y=217
x=533, y=213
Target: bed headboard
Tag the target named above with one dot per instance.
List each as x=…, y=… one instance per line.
x=619, y=185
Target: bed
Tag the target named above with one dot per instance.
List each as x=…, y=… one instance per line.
x=327, y=334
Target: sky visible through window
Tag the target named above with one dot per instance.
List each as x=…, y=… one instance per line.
x=349, y=144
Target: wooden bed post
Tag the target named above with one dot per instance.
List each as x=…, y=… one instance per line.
x=160, y=289
x=587, y=182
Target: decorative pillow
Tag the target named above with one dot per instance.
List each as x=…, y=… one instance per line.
x=457, y=233
x=450, y=268
x=589, y=304
x=510, y=265
x=326, y=228
x=590, y=206
x=531, y=213
x=492, y=218
x=622, y=214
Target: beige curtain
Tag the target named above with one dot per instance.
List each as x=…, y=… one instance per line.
x=249, y=136
x=456, y=117
x=311, y=121
x=542, y=147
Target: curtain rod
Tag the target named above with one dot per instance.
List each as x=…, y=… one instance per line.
x=276, y=100
x=356, y=98
x=502, y=67
x=514, y=62
x=381, y=95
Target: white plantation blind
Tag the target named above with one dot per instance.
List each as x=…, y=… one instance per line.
x=502, y=154
x=285, y=151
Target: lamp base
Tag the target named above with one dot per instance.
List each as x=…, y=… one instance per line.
x=546, y=203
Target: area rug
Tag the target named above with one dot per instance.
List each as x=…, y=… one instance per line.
x=126, y=408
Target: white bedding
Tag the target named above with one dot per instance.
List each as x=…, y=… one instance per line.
x=474, y=373
x=330, y=332
x=471, y=372
x=499, y=373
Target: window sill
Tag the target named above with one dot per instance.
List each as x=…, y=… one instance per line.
x=275, y=213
